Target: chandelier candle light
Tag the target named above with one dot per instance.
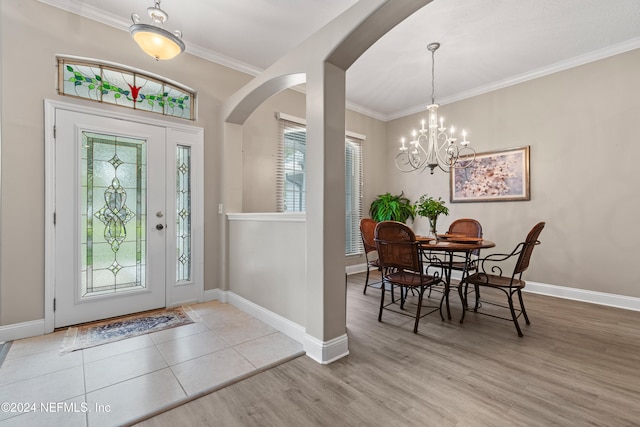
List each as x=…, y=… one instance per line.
x=442, y=148
x=153, y=38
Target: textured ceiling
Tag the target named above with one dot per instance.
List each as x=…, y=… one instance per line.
x=486, y=44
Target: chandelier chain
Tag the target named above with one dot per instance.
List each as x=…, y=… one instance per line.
x=433, y=76
x=433, y=145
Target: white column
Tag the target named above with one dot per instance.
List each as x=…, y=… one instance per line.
x=326, y=297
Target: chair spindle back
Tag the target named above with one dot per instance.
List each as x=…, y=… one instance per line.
x=528, y=245
x=397, y=246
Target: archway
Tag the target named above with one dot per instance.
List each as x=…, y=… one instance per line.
x=321, y=61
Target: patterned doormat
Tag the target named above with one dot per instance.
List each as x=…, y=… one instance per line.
x=116, y=329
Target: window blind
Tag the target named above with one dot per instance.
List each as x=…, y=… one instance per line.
x=291, y=176
x=353, y=195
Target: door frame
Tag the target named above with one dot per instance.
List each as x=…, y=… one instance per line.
x=177, y=134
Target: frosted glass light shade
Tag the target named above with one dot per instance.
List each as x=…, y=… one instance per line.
x=157, y=42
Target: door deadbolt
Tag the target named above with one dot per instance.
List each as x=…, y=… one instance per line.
x=159, y=227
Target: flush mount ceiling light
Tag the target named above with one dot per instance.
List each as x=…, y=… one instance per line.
x=152, y=38
x=434, y=146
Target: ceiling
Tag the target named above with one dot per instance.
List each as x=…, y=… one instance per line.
x=485, y=44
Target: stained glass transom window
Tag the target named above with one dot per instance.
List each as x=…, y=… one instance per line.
x=124, y=87
x=183, y=209
x=113, y=211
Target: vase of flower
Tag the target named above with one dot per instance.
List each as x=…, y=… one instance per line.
x=432, y=227
x=431, y=209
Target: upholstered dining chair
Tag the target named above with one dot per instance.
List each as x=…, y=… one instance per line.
x=367, y=232
x=490, y=275
x=403, y=265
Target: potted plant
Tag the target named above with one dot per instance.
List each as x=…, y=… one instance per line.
x=390, y=207
x=431, y=208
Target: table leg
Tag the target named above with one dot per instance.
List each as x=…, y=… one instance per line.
x=465, y=273
x=447, y=284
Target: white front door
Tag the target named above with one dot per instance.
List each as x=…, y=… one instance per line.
x=110, y=217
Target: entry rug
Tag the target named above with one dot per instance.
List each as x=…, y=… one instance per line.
x=106, y=331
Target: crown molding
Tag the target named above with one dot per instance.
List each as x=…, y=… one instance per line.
x=91, y=12
x=366, y=111
x=88, y=11
x=531, y=75
x=79, y=8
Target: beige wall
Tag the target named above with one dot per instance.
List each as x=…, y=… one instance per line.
x=270, y=270
x=29, y=76
x=260, y=150
x=48, y=31
x=581, y=125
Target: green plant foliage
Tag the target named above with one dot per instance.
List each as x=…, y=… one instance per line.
x=390, y=207
x=431, y=208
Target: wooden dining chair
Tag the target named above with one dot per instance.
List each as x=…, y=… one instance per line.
x=490, y=275
x=367, y=233
x=467, y=227
x=402, y=265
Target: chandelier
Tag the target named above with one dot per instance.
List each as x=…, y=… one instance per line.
x=434, y=146
x=152, y=38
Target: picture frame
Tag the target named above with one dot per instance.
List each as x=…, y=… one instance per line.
x=494, y=176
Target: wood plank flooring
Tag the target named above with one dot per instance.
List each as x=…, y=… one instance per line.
x=578, y=364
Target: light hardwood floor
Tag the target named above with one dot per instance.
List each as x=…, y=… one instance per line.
x=578, y=364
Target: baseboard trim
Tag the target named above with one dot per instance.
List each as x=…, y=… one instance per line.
x=583, y=295
x=355, y=269
x=18, y=331
x=284, y=325
x=323, y=352
x=328, y=351
x=215, y=295
x=576, y=294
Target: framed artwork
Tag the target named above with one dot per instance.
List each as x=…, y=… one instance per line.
x=494, y=177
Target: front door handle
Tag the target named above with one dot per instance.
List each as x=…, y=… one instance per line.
x=159, y=227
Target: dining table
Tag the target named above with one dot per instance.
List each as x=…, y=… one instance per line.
x=451, y=247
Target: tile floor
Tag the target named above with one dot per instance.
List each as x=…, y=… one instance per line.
x=116, y=383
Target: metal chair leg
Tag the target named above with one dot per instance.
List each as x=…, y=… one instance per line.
x=381, y=302
x=524, y=312
x=441, y=302
x=513, y=313
x=420, y=296
x=463, y=298
x=366, y=282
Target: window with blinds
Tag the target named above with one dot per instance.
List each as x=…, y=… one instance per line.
x=353, y=195
x=291, y=177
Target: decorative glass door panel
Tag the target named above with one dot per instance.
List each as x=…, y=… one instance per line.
x=113, y=213
x=111, y=224
x=183, y=217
